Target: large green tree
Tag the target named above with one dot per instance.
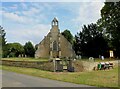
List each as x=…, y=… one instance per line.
x=90, y=42
x=29, y=49
x=13, y=50
x=110, y=25
x=67, y=34
x=2, y=41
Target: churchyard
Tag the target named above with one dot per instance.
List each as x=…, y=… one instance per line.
x=99, y=78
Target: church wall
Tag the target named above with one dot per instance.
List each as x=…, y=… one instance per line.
x=43, y=48
x=66, y=48
x=54, y=44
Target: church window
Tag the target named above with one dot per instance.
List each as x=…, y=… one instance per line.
x=55, y=47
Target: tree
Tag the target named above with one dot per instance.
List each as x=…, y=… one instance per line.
x=2, y=41
x=29, y=49
x=36, y=47
x=109, y=24
x=13, y=49
x=90, y=42
x=2, y=34
x=67, y=34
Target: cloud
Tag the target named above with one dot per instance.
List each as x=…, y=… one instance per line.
x=15, y=17
x=32, y=11
x=24, y=6
x=25, y=13
x=34, y=34
x=26, y=24
x=14, y=7
x=51, y=0
x=88, y=12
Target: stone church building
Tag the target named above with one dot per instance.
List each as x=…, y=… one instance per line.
x=54, y=45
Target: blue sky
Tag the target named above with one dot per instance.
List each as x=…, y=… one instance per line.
x=31, y=21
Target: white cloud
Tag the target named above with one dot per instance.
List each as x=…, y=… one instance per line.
x=88, y=12
x=51, y=0
x=32, y=11
x=24, y=6
x=34, y=34
x=29, y=15
x=15, y=17
x=14, y=7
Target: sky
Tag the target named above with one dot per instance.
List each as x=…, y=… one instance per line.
x=30, y=21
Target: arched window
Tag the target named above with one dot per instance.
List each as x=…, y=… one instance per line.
x=55, y=46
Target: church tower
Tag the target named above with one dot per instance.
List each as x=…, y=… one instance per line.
x=55, y=25
x=54, y=39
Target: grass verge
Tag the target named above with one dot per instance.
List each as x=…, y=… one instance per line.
x=101, y=78
x=24, y=59
x=0, y=67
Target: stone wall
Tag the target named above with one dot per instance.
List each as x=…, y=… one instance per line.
x=89, y=65
x=79, y=66
x=66, y=48
x=48, y=66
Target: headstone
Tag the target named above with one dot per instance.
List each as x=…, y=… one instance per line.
x=102, y=57
x=19, y=55
x=8, y=56
x=91, y=59
x=111, y=54
x=79, y=56
x=99, y=56
x=76, y=57
x=25, y=55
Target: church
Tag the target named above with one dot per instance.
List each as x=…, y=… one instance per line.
x=54, y=45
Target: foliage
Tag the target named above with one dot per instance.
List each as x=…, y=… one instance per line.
x=29, y=49
x=13, y=50
x=109, y=24
x=2, y=41
x=2, y=34
x=90, y=42
x=36, y=46
x=67, y=34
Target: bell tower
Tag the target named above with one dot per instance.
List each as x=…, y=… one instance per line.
x=54, y=39
x=55, y=25
x=54, y=22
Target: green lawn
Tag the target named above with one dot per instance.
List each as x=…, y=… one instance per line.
x=106, y=59
x=25, y=59
x=99, y=60
x=0, y=67
x=101, y=78
x=43, y=59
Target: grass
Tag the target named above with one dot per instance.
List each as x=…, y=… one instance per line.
x=0, y=67
x=24, y=59
x=101, y=78
x=43, y=59
x=99, y=60
x=106, y=59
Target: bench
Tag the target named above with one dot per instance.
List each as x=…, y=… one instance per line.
x=104, y=65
